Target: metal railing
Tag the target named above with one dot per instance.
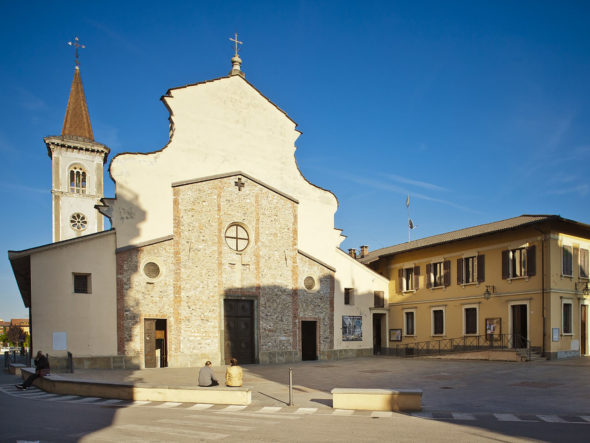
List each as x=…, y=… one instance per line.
x=468, y=343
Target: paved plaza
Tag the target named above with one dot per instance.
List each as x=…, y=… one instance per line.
x=537, y=387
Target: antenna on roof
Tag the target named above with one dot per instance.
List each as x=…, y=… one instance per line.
x=410, y=222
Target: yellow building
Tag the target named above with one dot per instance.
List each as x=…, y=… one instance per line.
x=520, y=282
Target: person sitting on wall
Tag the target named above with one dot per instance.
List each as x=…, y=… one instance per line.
x=206, y=376
x=41, y=369
x=233, y=374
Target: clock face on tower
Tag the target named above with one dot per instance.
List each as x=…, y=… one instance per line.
x=78, y=221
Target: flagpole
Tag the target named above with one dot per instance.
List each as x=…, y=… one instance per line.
x=409, y=229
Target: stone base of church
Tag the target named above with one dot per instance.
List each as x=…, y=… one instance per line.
x=340, y=354
x=277, y=357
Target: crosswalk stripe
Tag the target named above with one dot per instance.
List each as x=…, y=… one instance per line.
x=270, y=409
x=111, y=401
x=585, y=417
x=205, y=424
x=200, y=406
x=41, y=396
x=344, y=412
x=258, y=414
x=551, y=418
x=86, y=400
x=382, y=414
x=232, y=408
x=422, y=414
x=66, y=397
x=139, y=403
x=462, y=416
x=176, y=432
x=169, y=404
x=507, y=417
x=306, y=410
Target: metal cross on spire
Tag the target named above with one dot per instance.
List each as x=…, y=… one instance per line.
x=76, y=45
x=236, y=42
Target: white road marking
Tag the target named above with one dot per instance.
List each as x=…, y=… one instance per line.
x=86, y=400
x=139, y=403
x=200, y=406
x=422, y=414
x=258, y=414
x=67, y=397
x=462, y=416
x=111, y=401
x=305, y=411
x=173, y=432
x=585, y=417
x=270, y=409
x=551, y=418
x=206, y=424
x=507, y=417
x=232, y=408
x=382, y=414
x=169, y=404
x=344, y=412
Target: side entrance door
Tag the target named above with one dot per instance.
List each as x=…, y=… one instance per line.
x=519, y=326
x=239, y=330
x=309, y=349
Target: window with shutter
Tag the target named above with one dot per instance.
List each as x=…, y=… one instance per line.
x=408, y=279
x=519, y=262
x=438, y=322
x=428, y=276
x=459, y=271
x=379, y=299
x=481, y=268
x=416, y=278
x=470, y=320
x=409, y=322
x=400, y=281
x=583, y=263
x=531, y=260
x=567, y=325
x=438, y=274
x=566, y=260
x=447, y=271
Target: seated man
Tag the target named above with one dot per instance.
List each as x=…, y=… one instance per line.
x=206, y=376
x=41, y=369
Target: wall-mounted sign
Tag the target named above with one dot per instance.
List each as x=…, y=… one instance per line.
x=60, y=341
x=555, y=334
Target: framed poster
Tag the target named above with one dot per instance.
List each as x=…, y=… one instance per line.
x=395, y=335
x=493, y=329
x=352, y=328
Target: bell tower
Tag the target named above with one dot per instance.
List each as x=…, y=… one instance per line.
x=77, y=169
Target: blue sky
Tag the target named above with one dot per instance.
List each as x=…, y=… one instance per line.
x=478, y=110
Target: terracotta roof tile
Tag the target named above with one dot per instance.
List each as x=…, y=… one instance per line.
x=77, y=120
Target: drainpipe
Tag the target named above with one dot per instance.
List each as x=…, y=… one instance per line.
x=543, y=287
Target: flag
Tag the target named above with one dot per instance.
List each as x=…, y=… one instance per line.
x=410, y=223
x=408, y=201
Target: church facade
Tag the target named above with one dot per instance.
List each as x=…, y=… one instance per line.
x=218, y=246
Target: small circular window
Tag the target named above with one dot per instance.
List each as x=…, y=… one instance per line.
x=78, y=222
x=237, y=237
x=309, y=283
x=151, y=270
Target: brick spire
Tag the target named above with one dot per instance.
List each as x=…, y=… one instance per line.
x=77, y=120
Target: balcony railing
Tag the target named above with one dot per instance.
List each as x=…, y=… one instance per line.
x=468, y=343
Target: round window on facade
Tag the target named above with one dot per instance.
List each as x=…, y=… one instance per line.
x=237, y=237
x=309, y=283
x=78, y=222
x=151, y=270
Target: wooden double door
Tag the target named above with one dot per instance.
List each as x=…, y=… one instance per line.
x=155, y=343
x=239, y=330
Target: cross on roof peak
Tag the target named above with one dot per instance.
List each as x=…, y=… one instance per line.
x=76, y=45
x=236, y=43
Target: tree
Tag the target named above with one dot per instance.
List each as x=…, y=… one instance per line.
x=15, y=335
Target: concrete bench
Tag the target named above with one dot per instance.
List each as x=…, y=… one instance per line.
x=221, y=395
x=399, y=400
x=15, y=368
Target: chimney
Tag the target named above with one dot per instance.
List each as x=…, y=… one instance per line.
x=352, y=252
x=364, y=251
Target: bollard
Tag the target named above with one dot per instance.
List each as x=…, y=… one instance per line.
x=290, y=387
x=70, y=363
x=6, y=359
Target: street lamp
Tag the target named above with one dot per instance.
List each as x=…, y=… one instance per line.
x=490, y=289
x=583, y=287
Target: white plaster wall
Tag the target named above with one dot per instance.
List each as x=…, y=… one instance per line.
x=352, y=274
x=89, y=320
x=220, y=126
x=71, y=204
x=89, y=161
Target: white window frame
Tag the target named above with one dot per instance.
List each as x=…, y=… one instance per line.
x=442, y=274
x=585, y=248
x=474, y=280
x=405, y=280
x=567, y=301
x=562, y=249
x=413, y=312
x=511, y=276
x=528, y=313
x=444, y=331
x=465, y=307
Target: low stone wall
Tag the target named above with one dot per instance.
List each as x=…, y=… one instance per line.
x=399, y=400
x=126, y=391
x=60, y=364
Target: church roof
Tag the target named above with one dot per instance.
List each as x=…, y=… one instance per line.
x=77, y=120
